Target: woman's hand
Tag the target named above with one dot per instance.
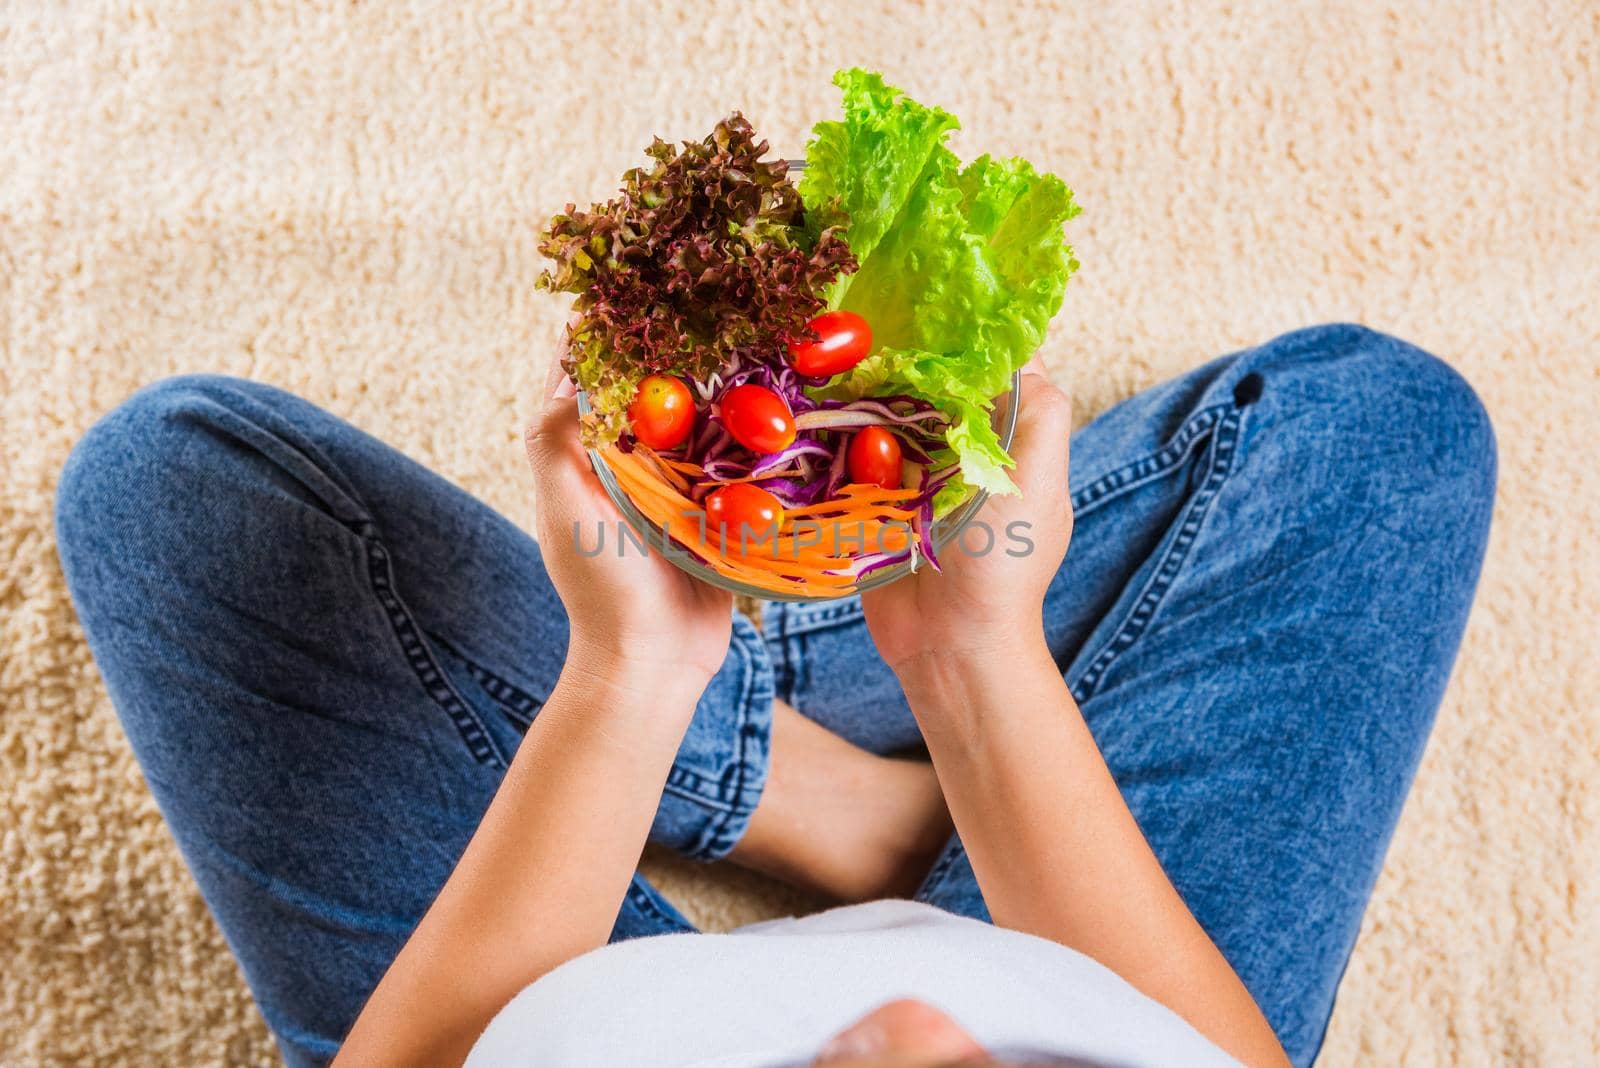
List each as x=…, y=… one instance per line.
x=982, y=605
x=630, y=613
x=548, y=867
x=1054, y=847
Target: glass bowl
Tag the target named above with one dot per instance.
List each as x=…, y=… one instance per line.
x=1003, y=419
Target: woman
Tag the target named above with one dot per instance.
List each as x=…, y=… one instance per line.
x=412, y=756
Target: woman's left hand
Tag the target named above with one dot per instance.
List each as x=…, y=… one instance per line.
x=631, y=614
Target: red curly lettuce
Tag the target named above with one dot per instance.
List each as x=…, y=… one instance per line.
x=703, y=261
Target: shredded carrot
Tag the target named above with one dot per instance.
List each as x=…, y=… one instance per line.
x=849, y=509
x=877, y=493
x=668, y=475
x=791, y=473
x=684, y=466
x=843, y=539
x=814, y=549
x=809, y=567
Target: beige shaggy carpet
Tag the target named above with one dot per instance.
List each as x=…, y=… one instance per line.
x=340, y=199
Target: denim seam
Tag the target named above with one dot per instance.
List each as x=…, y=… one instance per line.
x=721, y=838
x=423, y=663
x=725, y=830
x=1114, y=484
x=520, y=705
x=692, y=786
x=517, y=703
x=645, y=903
x=1223, y=449
x=941, y=870
x=781, y=655
x=716, y=793
x=798, y=619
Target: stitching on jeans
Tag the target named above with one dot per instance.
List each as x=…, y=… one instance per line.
x=693, y=786
x=1113, y=484
x=518, y=703
x=643, y=901
x=719, y=839
x=800, y=619
x=421, y=658
x=1223, y=450
x=946, y=862
x=723, y=798
x=940, y=874
x=776, y=645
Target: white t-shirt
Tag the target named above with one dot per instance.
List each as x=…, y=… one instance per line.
x=771, y=994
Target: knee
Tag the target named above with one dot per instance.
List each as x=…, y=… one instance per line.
x=1404, y=412
x=132, y=465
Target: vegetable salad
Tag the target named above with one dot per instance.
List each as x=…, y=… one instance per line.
x=794, y=380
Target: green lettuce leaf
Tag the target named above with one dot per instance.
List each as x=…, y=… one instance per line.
x=862, y=170
x=960, y=268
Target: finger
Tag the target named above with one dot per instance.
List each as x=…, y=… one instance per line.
x=1044, y=429
x=1036, y=365
x=551, y=439
x=557, y=383
x=1043, y=402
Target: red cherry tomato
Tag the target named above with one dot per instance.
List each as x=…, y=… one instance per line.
x=843, y=340
x=731, y=508
x=757, y=418
x=874, y=458
x=662, y=412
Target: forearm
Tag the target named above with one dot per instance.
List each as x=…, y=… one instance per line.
x=1054, y=847
x=543, y=877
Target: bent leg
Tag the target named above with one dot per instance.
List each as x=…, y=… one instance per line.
x=1270, y=571
x=323, y=656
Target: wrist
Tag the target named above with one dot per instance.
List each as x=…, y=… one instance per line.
x=937, y=681
x=959, y=633
x=628, y=676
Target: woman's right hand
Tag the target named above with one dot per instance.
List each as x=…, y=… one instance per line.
x=983, y=606
x=633, y=607
x=550, y=864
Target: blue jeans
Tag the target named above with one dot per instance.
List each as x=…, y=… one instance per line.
x=324, y=655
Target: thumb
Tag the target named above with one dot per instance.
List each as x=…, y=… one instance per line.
x=552, y=437
x=1044, y=431
x=558, y=385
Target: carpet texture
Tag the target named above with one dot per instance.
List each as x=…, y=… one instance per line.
x=341, y=200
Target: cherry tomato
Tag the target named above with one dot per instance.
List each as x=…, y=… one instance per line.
x=662, y=412
x=731, y=508
x=757, y=418
x=874, y=458
x=843, y=340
